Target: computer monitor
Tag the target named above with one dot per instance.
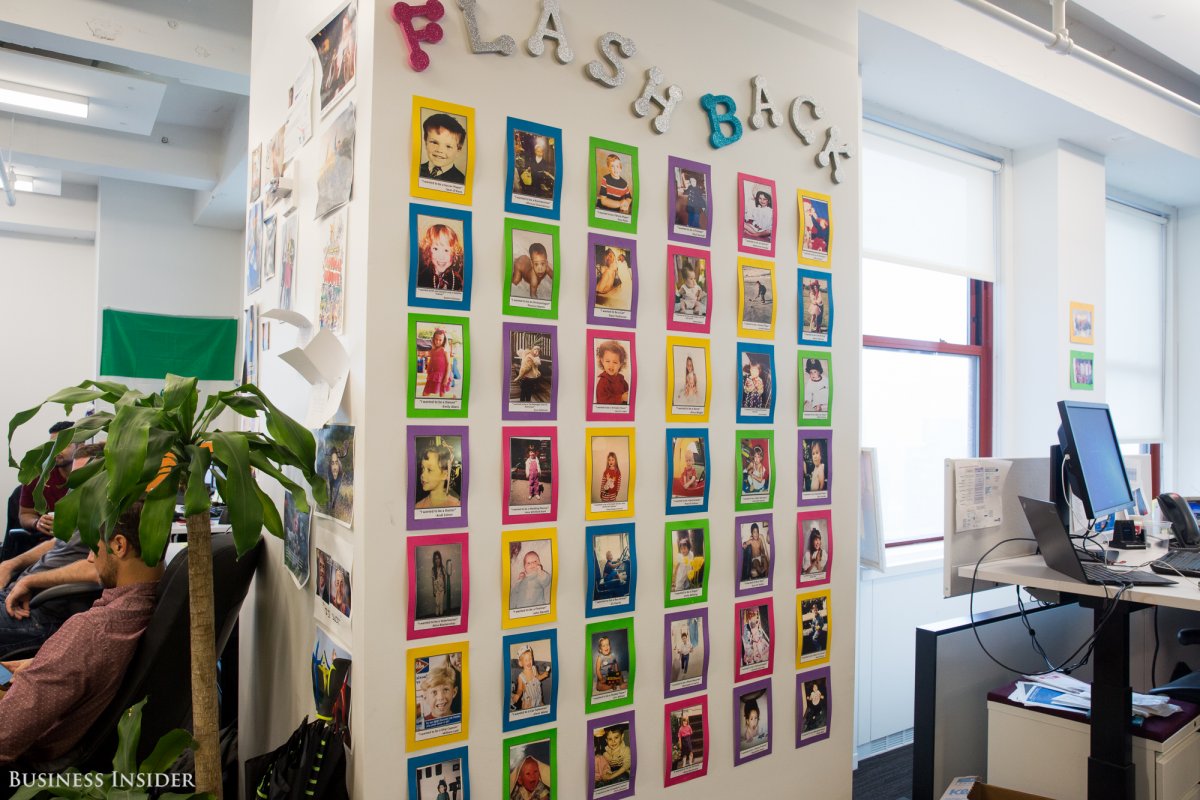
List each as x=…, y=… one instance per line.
x=1095, y=469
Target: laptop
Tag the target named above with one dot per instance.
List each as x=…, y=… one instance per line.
x=1059, y=551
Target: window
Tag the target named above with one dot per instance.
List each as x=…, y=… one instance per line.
x=929, y=256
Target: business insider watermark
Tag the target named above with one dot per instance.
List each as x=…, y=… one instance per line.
x=79, y=781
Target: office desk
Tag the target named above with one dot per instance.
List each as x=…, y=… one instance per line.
x=1110, y=766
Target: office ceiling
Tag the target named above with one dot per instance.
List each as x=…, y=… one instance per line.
x=1168, y=26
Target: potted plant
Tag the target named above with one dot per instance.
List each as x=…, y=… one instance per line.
x=156, y=444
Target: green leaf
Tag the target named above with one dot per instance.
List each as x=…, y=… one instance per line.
x=262, y=462
x=158, y=443
x=66, y=514
x=177, y=391
x=158, y=512
x=72, y=396
x=289, y=433
x=125, y=451
x=81, y=475
x=246, y=406
x=245, y=509
x=129, y=730
x=196, y=499
x=93, y=508
x=271, y=518
x=31, y=463
x=168, y=750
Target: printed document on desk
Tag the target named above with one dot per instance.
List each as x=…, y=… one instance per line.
x=979, y=493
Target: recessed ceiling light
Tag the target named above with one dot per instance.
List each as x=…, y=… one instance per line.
x=36, y=98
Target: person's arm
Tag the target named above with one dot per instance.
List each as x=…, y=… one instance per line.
x=18, y=564
x=520, y=689
x=19, y=596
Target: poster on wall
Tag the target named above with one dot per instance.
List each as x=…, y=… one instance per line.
x=689, y=201
x=297, y=528
x=687, y=470
x=813, y=624
x=255, y=173
x=335, y=463
x=610, y=469
x=534, y=164
x=754, y=485
x=815, y=369
x=685, y=652
x=1082, y=377
x=441, y=774
x=331, y=667
x=754, y=544
x=250, y=344
x=689, y=379
x=274, y=160
x=812, y=706
x=613, y=186
x=756, y=633
x=439, y=365
x=611, y=555
x=1082, y=318
x=529, y=577
x=331, y=311
x=287, y=258
x=298, y=128
x=438, y=470
x=756, y=383
x=612, y=769
x=531, y=259
x=752, y=721
x=814, y=543
x=335, y=563
x=439, y=584
x=254, y=237
x=438, y=685
x=611, y=664
x=335, y=178
x=689, y=302
x=531, y=678
x=442, y=163
x=529, y=389
x=757, y=211
x=816, y=307
x=440, y=263
x=612, y=382
x=531, y=766
x=268, y=251
x=687, y=545
x=815, y=476
x=613, y=294
x=529, y=474
x=336, y=43
x=816, y=228
x=756, y=298
x=685, y=737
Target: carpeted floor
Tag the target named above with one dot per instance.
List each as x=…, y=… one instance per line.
x=887, y=776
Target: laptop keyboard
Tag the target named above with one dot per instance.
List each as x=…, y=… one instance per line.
x=1102, y=574
x=1186, y=562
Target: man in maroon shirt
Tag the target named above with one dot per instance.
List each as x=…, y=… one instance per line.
x=56, y=696
x=56, y=487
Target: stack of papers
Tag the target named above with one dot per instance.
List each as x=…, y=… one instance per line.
x=1064, y=693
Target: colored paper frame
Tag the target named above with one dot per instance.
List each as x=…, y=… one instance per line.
x=465, y=369
x=756, y=244
x=508, y=538
x=1081, y=323
x=508, y=307
x=628, y=605
x=444, y=648
x=815, y=656
x=616, y=320
x=817, y=732
x=814, y=338
x=687, y=504
x=756, y=416
x=507, y=330
x=677, y=412
x=669, y=739
x=740, y=504
x=763, y=701
x=507, y=435
x=671, y=549
x=804, y=526
x=1082, y=377
x=462, y=215
x=814, y=497
x=591, y=375
x=589, y=664
x=534, y=209
x=815, y=247
x=450, y=519
x=629, y=475
x=756, y=329
x=690, y=685
x=418, y=763
x=741, y=638
x=761, y=586
x=506, y=646
x=437, y=628
x=595, y=221
x=594, y=727
x=816, y=418
x=674, y=234
x=418, y=136
x=550, y=735
x=682, y=324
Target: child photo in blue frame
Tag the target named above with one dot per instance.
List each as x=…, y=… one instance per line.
x=530, y=678
x=611, y=568
x=441, y=774
x=688, y=460
x=535, y=167
x=756, y=383
x=440, y=258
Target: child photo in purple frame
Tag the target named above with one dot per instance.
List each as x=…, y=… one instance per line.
x=613, y=287
x=754, y=543
x=438, y=456
x=612, y=768
x=529, y=385
x=685, y=652
x=689, y=201
x=813, y=706
x=752, y=715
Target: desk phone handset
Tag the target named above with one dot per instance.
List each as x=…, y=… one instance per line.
x=1183, y=524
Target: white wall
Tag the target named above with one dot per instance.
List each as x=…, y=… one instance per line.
x=1187, y=349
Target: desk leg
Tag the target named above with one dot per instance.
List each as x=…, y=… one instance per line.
x=1110, y=767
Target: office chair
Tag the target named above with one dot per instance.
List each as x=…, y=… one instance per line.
x=1186, y=687
x=14, y=508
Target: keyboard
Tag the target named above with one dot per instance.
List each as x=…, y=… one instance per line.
x=1186, y=562
x=1098, y=573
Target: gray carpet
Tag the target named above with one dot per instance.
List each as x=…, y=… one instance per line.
x=887, y=776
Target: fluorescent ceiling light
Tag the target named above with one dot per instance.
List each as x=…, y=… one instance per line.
x=23, y=185
x=36, y=98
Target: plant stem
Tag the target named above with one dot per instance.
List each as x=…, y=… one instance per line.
x=204, y=655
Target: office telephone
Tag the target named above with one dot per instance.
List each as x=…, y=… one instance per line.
x=1176, y=510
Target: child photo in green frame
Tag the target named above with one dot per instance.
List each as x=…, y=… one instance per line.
x=686, y=559
x=754, y=454
x=439, y=365
x=531, y=269
x=613, y=185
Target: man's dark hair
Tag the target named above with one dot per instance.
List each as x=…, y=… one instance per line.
x=60, y=426
x=446, y=122
x=127, y=525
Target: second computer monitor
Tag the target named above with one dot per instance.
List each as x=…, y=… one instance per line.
x=1095, y=467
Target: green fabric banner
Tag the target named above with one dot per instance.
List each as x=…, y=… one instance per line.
x=151, y=345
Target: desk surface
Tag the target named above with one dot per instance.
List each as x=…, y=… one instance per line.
x=1032, y=571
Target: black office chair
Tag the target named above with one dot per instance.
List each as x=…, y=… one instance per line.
x=14, y=509
x=16, y=539
x=1187, y=686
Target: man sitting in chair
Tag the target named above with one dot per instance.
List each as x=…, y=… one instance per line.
x=56, y=696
